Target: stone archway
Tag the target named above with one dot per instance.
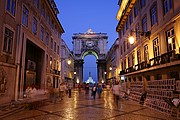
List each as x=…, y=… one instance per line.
x=89, y=43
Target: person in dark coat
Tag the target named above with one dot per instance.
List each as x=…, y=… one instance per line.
x=94, y=89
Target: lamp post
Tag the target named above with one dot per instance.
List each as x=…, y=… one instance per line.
x=131, y=38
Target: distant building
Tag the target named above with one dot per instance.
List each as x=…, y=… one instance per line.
x=67, y=63
x=30, y=41
x=112, y=64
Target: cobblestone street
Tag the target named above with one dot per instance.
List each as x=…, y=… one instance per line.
x=81, y=107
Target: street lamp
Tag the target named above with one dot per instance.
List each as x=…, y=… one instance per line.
x=110, y=68
x=69, y=61
x=131, y=38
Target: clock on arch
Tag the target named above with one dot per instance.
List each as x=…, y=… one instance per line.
x=89, y=43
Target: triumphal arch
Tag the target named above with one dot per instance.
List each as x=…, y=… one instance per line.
x=89, y=43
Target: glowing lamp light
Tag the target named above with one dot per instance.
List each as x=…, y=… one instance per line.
x=110, y=68
x=102, y=81
x=131, y=40
x=170, y=40
x=69, y=62
x=74, y=73
x=77, y=81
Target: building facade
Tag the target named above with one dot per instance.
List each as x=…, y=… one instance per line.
x=153, y=60
x=30, y=41
x=67, y=63
x=112, y=64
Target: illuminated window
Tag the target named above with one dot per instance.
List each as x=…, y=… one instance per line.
x=156, y=47
x=171, y=39
x=50, y=62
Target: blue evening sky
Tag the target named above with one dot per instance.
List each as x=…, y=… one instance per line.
x=77, y=16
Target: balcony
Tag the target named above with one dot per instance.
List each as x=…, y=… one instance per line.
x=159, y=60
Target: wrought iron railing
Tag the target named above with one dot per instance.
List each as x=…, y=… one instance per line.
x=163, y=59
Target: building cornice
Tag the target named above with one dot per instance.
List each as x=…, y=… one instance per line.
x=123, y=12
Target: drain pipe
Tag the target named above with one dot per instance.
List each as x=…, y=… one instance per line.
x=18, y=60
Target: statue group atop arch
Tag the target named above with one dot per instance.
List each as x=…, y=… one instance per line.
x=90, y=43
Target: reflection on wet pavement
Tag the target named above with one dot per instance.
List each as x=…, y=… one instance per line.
x=84, y=107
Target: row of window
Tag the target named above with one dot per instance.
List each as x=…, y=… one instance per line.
x=170, y=35
x=25, y=18
x=53, y=64
x=8, y=38
x=167, y=6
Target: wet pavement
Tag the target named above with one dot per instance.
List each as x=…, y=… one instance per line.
x=84, y=107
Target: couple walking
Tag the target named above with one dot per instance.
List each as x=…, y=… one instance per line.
x=96, y=89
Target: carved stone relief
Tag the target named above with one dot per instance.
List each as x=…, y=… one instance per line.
x=3, y=81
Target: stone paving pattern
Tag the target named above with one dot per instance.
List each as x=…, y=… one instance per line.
x=84, y=107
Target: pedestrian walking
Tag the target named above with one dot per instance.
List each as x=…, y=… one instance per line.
x=61, y=91
x=94, y=89
x=69, y=89
x=52, y=94
x=87, y=89
x=99, y=91
x=116, y=91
